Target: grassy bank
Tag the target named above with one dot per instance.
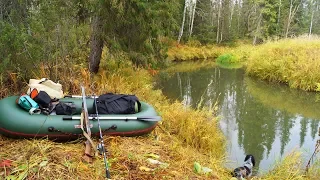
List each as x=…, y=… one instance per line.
x=239, y=52
x=194, y=51
x=182, y=138
x=292, y=61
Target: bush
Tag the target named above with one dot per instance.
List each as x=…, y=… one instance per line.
x=227, y=58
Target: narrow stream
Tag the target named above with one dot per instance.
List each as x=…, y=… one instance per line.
x=259, y=118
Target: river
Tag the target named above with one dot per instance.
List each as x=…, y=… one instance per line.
x=264, y=119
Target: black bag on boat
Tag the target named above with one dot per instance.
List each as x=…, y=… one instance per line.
x=117, y=104
x=67, y=108
x=43, y=99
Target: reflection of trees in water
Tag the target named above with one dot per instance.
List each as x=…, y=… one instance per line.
x=257, y=128
x=314, y=127
x=285, y=121
x=190, y=86
x=303, y=125
x=258, y=125
x=187, y=97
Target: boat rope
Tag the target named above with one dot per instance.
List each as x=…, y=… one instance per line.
x=45, y=120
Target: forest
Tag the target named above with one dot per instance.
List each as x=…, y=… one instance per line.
x=55, y=32
x=120, y=45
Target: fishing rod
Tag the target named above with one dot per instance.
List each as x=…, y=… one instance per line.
x=101, y=146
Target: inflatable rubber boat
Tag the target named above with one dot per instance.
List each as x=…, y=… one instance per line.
x=18, y=123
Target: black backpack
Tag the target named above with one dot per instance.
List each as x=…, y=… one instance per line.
x=65, y=108
x=117, y=104
x=41, y=97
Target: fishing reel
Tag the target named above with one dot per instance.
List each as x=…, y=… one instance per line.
x=101, y=149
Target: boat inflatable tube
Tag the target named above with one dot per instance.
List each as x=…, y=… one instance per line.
x=18, y=123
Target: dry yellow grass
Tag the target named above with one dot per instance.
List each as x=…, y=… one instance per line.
x=183, y=137
x=187, y=53
x=292, y=61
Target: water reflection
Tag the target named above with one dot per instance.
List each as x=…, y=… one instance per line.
x=257, y=118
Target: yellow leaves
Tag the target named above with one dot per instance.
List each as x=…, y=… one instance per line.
x=83, y=167
x=144, y=168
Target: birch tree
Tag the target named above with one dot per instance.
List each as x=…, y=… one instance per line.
x=193, y=11
x=294, y=6
x=183, y=20
x=314, y=6
x=190, y=9
x=218, y=20
x=279, y=15
x=311, y=19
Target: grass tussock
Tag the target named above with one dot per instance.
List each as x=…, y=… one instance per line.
x=291, y=61
x=238, y=54
x=183, y=137
x=288, y=168
x=180, y=52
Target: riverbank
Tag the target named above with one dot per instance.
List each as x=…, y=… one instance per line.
x=307, y=54
x=183, y=139
x=294, y=62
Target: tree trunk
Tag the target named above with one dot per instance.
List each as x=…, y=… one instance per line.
x=311, y=20
x=279, y=15
x=292, y=12
x=231, y=13
x=257, y=30
x=183, y=20
x=96, y=44
x=192, y=18
x=1, y=11
x=238, y=18
x=289, y=19
x=218, y=19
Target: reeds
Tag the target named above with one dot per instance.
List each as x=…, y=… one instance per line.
x=289, y=168
x=187, y=53
x=291, y=61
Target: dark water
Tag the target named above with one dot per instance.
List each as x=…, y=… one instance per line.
x=259, y=118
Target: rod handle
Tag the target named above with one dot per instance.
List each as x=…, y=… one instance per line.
x=108, y=174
